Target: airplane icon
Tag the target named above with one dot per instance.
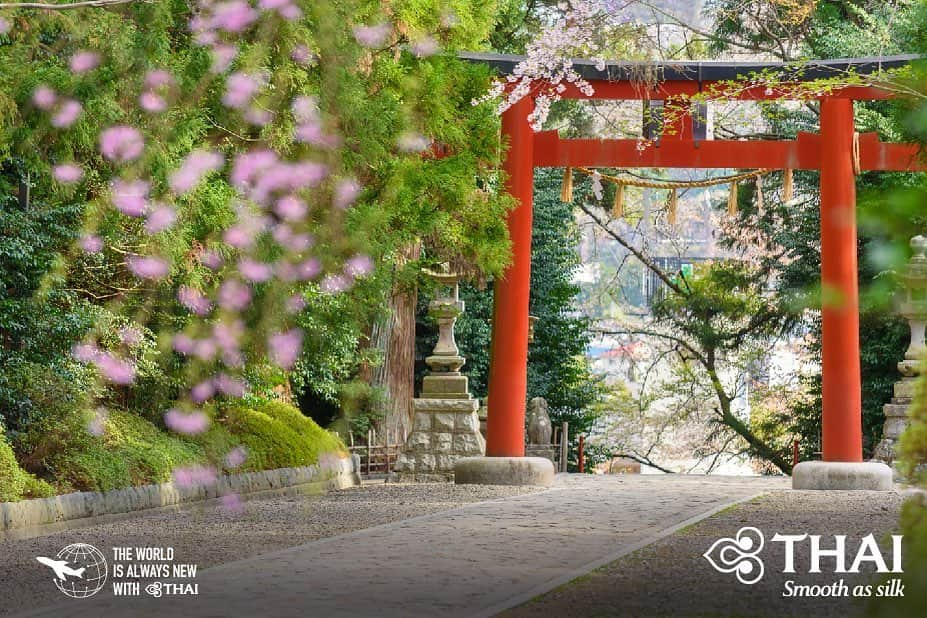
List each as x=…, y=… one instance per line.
x=61, y=568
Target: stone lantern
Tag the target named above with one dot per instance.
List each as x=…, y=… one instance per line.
x=445, y=426
x=914, y=308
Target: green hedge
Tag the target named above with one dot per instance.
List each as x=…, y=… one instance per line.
x=16, y=483
x=278, y=435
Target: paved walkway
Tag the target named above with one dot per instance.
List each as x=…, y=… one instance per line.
x=472, y=561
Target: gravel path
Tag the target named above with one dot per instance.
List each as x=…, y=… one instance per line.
x=208, y=535
x=671, y=578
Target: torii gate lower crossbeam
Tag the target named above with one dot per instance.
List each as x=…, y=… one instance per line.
x=835, y=152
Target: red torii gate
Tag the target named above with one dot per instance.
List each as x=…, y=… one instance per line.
x=831, y=151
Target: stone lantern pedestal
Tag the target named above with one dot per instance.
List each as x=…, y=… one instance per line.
x=445, y=426
x=914, y=308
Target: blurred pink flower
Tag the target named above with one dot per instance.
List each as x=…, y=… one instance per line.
x=130, y=197
x=232, y=503
x=85, y=352
x=158, y=78
x=310, y=269
x=131, y=335
x=358, y=266
x=91, y=243
x=204, y=349
x=84, y=61
x=67, y=173
x=425, y=47
x=234, y=295
x=192, y=476
x=236, y=457
x=116, y=370
x=240, y=89
x=303, y=55
x=248, y=165
x=196, y=165
x=44, y=97
x=151, y=102
x=183, y=344
x=121, y=143
x=239, y=236
x=346, y=192
x=202, y=391
x=190, y=424
x=259, y=117
x=255, y=271
x=194, y=300
x=290, y=12
x=295, y=303
x=223, y=55
x=372, y=36
x=211, y=260
x=284, y=348
x=160, y=218
x=4, y=26
x=67, y=114
x=232, y=16
x=147, y=267
x=230, y=386
x=332, y=284
x=291, y=208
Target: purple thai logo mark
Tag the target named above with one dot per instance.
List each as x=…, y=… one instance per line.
x=739, y=555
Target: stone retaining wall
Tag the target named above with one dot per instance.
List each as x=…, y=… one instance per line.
x=339, y=474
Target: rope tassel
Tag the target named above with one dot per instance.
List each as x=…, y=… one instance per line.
x=566, y=190
x=618, y=204
x=671, y=211
x=732, y=200
x=787, y=186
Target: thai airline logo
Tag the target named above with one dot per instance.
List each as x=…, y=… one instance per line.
x=739, y=555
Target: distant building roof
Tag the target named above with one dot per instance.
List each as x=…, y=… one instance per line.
x=706, y=71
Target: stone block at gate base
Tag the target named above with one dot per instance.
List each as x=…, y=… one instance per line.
x=842, y=475
x=504, y=471
x=445, y=431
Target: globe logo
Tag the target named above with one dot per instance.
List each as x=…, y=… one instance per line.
x=80, y=570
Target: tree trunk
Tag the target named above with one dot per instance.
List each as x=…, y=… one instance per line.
x=394, y=337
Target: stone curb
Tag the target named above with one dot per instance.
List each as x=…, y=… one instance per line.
x=80, y=505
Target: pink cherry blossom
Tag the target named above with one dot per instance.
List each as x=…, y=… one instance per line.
x=425, y=47
x=183, y=344
x=309, y=269
x=295, y=303
x=131, y=335
x=204, y=349
x=284, y=348
x=84, y=61
x=4, y=26
x=291, y=208
x=232, y=16
x=160, y=218
x=227, y=385
x=114, y=369
x=194, y=300
x=372, y=36
x=211, y=260
x=130, y=197
x=249, y=164
x=259, y=117
x=235, y=457
x=303, y=55
x=85, y=352
x=67, y=114
x=222, y=57
x=240, y=89
x=44, y=98
x=196, y=165
x=193, y=476
x=359, y=266
x=232, y=503
x=151, y=102
x=332, y=284
x=147, y=267
x=255, y=271
x=346, y=192
x=91, y=243
x=121, y=143
x=67, y=173
x=202, y=391
x=186, y=423
x=158, y=78
x=234, y=295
